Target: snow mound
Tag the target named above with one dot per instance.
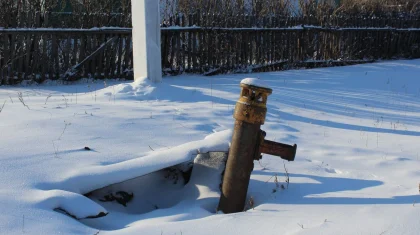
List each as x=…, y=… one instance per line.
x=74, y=204
x=95, y=177
x=139, y=88
x=82, y=181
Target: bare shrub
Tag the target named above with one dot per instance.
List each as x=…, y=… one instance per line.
x=395, y=8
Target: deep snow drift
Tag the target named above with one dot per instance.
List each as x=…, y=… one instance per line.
x=356, y=169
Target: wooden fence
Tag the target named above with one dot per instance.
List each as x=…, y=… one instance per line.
x=245, y=49
x=39, y=54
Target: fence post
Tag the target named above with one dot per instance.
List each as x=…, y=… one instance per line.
x=146, y=40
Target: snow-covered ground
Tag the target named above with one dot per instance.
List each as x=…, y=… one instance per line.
x=357, y=168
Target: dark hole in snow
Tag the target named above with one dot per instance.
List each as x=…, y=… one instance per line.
x=162, y=193
x=62, y=211
x=187, y=175
x=149, y=192
x=121, y=197
x=102, y=214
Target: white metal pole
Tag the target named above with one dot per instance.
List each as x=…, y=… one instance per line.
x=146, y=40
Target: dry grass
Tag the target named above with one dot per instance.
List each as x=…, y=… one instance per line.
x=227, y=10
x=378, y=7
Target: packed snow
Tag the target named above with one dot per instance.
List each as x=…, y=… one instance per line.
x=255, y=82
x=356, y=169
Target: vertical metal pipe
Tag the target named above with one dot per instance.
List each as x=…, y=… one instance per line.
x=250, y=114
x=239, y=167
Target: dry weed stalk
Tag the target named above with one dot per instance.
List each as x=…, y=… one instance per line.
x=20, y=96
x=66, y=124
x=48, y=97
x=287, y=175
x=2, y=107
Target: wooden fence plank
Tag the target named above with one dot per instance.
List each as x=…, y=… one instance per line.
x=100, y=58
x=119, y=56
x=4, y=59
x=20, y=57
x=44, y=57
x=128, y=54
x=54, y=70
x=36, y=57
x=172, y=50
x=28, y=51
x=113, y=53
x=66, y=53
x=75, y=50
x=94, y=62
x=88, y=50
x=210, y=51
x=82, y=54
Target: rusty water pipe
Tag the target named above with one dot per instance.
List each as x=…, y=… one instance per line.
x=248, y=142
